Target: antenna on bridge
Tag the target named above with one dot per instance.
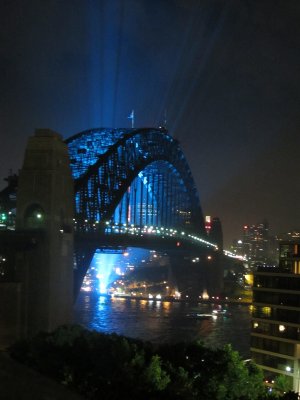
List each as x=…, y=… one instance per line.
x=164, y=122
x=165, y=118
x=131, y=116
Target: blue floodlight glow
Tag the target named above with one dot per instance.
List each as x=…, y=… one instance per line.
x=105, y=265
x=110, y=266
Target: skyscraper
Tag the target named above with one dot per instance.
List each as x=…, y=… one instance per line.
x=256, y=242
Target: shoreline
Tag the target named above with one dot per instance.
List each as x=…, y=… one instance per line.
x=173, y=300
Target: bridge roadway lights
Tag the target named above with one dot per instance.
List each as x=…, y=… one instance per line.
x=180, y=249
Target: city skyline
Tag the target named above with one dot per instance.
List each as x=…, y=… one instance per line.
x=224, y=76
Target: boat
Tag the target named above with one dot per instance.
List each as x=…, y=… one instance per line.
x=200, y=316
x=219, y=312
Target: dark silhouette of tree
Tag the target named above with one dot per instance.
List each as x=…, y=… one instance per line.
x=113, y=367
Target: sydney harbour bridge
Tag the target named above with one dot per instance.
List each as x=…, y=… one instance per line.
x=100, y=189
x=134, y=182
x=132, y=187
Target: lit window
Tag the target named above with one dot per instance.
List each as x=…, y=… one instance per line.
x=266, y=311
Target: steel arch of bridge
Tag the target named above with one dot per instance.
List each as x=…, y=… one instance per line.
x=107, y=163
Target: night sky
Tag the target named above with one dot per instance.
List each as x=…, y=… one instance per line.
x=227, y=73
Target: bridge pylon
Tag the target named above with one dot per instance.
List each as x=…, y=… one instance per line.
x=45, y=211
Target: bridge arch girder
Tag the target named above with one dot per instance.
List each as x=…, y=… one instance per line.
x=101, y=185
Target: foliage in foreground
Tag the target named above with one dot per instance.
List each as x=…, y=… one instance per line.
x=101, y=366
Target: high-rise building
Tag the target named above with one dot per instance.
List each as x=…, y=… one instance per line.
x=275, y=333
x=214, y=230
x=290, y=236
x=256, y=242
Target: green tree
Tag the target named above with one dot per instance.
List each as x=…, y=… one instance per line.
x=108, y=366
x=239, y=379
x=282, y=384
x=154, y=376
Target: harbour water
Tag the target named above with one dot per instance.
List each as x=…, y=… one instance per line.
x=161, y=322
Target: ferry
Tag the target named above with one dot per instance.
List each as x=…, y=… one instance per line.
x=200, y=316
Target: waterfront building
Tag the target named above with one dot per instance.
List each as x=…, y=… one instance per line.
x=275, y=332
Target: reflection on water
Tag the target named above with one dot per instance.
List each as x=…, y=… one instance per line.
x=159, y=322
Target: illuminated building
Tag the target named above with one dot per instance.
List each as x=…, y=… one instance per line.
x=255, y=243
x=293, y=235
x=214, y=231
x=275, y=333
x=237, y=247
x=207, y=223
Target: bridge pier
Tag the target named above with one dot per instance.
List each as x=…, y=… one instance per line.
x=193, y=278
x=45, y=212
x=83, y=259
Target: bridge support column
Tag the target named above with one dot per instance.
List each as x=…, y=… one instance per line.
x=193, y=278
x=45, y=206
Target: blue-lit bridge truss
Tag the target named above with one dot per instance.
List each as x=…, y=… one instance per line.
x=126, y=180
x=130, y=182
x=135, y=177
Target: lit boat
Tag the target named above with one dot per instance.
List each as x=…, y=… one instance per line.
x=221, y=312
x=200, y=316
